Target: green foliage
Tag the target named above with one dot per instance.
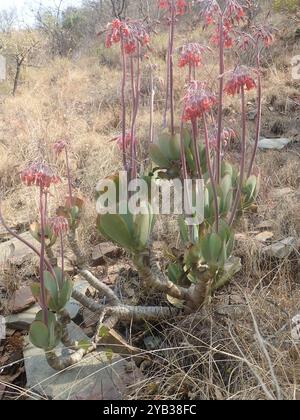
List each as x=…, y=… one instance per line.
x=129, y=231
x=59, y=290
x=43, y=336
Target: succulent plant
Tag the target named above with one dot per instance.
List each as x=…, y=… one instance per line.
x=43, y=336
x=130, y=231
x=58, y=290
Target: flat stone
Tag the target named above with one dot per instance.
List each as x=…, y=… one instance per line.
x=21, y=299
x=281, y=249
x=23, y=320
x=277, y=143
x=103, y=250
x=15, y=251
x=99, y=376
x=73, y=307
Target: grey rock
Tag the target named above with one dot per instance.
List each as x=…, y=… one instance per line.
x=277, y=143
x=15, y=251
x=281, y=249
x=99, y=376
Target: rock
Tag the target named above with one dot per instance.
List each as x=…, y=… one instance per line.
x=281, y=249
x=277, y=143
x=73, y=307
x=264, y=236
x=99, y=376
x=21, y=299
x=103, y=250
x=23, y=320
x=15, y=251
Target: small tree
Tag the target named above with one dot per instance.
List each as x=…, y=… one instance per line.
x=18, y=46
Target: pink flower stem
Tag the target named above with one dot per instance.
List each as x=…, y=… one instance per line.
x=132, y=81
x=28, y=244
x=182, y=151
x=196, y=148
x=221, y=95
x=42, y=257
x=211, y=174
x=243, y=159
x=152, y=104
x=171, y=58
x=62, y=259
x=259, y=115
x=190, y=72
x=167, y=83
x=133, y=165
x=69, y=176
x=123, y=103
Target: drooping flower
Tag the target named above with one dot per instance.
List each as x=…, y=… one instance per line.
x=191, y=54
x=180, y=6
x=227, y=36
x=59, y=146
x=132, y=33
x=238, y=78
x=197, y=101
x=264, y=33
x=39, y=174
x=234, y=11
x=59, y=225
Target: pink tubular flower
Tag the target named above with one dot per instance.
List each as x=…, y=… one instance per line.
x=265, y=34
x=191, y=54
x=39, y=174
x=197, y=101
x=180, y=6
x=59, y=225
x=132, y=32
x=234, y=11
x=240, y=77
x=59, y=146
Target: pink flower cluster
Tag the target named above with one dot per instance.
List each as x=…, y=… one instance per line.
x=180, y=5
x=59, y=225
x=239, y=77
x=132, y=33
x=197, y=101
x=39, y=174
x=191, y=54
x=59, y=146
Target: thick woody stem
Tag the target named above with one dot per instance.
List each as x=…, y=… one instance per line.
x=83, y=270
x=153, y=276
